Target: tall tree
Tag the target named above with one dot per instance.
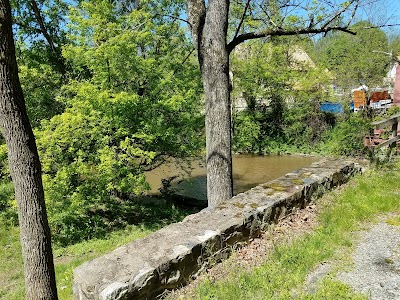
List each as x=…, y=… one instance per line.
x=258, y=19
x=133, y=103
x=25, y=170
x=355, y=60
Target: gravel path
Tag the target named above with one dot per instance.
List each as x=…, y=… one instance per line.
x=376, y=259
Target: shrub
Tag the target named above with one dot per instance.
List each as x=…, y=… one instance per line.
x=346, y=138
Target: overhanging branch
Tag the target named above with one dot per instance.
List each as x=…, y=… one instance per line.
x=282, y=32
x=381, y=26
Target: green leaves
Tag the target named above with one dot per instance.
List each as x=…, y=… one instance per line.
x=132, y=100
x=281, y=88
x=351, y=59
x=94, y=153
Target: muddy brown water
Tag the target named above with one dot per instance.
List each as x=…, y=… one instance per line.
x=248, y=171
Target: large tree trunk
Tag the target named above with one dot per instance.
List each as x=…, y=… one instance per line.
x=215, y=71
x=209, y=31
x=25, y=170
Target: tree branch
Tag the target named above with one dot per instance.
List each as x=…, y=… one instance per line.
x=353, y=14
x=380, y=26
x=242, y=19
x=49, y=39
x=174, y=18
x=26, y=26
x=338, y=13
x=269, y=17
x=282, y=32
x=186, y=58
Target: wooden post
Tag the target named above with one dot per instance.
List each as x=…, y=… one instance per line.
x=391, y=142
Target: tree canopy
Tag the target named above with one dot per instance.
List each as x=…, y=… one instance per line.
x=355, y=59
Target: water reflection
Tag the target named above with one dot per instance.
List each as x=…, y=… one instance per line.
x=248, y=171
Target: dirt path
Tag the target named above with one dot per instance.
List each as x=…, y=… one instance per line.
x=376, y=259
x=375, y=263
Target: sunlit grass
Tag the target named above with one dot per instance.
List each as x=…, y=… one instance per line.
x=66, y=259
x=395, y=221
x=69, y=257
x=283, y=274
x=11, y=267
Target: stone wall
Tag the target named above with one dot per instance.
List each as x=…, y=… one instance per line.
x=172, y=256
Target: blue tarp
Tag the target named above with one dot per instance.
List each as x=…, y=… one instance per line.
x=331, y=107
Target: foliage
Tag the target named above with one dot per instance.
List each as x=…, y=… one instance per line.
x=130, y=96
x=41, y=85
x=40, y=31
x=351, y=58
x=393, y=110
x=6, y=196
x=130, y=99
x=282, y=95
x=120, y=120
x=394, y=45
x=346, y=138
x=94, y=155
x=42, y=69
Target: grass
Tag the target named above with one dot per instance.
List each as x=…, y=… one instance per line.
x=11, y=268
x=395, y=221
x=69, y=257
x=283, y=274
x=66, y=259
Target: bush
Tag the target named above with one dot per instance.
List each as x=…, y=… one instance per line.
x=94, y=156
x=247, y=131
x=346, y=138
x=278, y=128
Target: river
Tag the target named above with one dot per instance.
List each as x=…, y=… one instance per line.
x=248, y=171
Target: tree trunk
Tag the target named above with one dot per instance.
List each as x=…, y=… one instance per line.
x=25, y=170
x=214, y=63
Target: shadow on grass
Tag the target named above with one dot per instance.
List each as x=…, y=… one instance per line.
x=148, y=212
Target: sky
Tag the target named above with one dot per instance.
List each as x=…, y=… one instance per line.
x=383, y=12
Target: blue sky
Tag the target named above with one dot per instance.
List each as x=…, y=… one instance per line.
x=395, y=9
x=383, y=12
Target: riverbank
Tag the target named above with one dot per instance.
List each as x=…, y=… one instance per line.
x=296, y=231
x=303, y=256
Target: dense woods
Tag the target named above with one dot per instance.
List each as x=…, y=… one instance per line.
x=113, y=89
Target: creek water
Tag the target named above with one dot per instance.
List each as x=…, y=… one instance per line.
x=248, y=171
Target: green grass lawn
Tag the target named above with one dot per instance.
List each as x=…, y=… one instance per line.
x=68, y=258
x=280, y=277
